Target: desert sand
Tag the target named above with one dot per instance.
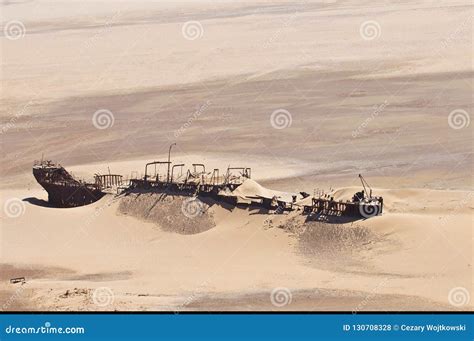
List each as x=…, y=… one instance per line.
x=309, y=95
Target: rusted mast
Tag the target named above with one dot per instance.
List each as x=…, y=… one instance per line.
x=169, y=156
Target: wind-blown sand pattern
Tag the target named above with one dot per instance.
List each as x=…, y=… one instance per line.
x=308, y=95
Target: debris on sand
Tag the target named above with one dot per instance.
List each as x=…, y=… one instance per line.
x=75, y=292
x=21, y=280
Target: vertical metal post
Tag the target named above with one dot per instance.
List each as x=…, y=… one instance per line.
x=169, y=156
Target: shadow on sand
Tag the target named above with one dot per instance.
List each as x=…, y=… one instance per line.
x=38, y=202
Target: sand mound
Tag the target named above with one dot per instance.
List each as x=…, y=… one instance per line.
x=183, y=215
x=320, y=238
x=329, y=240
x=250, y=189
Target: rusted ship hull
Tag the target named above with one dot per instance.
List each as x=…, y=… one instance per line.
x=63, y=190
x=335, y=208
x=65, y=195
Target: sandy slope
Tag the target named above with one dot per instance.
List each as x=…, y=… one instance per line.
x=419, y=250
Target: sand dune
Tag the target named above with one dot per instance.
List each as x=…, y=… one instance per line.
x=150, y=267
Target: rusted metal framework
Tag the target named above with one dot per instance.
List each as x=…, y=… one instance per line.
x=232, y=178
x=108, y=181
x=335, y=208
x=63, y=189
x=200, y=165
x=363, y=204
x=181, y=165
x=196, y=181
x=66, y=191
x=168, y=163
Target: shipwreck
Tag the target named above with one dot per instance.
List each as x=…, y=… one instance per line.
x=233, y=186
x=66, y=191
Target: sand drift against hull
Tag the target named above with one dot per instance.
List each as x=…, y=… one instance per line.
x=234, y=187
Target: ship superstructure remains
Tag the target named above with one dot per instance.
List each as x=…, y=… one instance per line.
x=233, y=186
x=362, y=204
